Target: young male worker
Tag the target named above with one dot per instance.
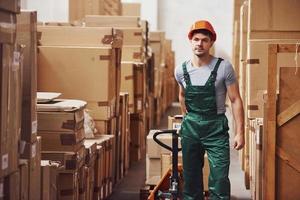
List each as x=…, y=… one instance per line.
x=204, y=81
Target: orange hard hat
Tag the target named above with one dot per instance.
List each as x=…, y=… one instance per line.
x=204, y=25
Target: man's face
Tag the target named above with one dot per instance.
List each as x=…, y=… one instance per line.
x=201, y=44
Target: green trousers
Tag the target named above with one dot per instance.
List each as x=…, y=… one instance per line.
x=210, y=134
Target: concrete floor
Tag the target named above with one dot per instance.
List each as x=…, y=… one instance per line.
x=129, y=187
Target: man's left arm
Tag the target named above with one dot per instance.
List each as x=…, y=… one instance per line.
x=238, y=114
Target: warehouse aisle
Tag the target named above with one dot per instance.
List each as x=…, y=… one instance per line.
x=129, y=187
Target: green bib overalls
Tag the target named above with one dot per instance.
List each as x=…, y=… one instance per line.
x=204, y=130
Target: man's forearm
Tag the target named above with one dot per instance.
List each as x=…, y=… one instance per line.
x=182, y=105
x=238, y=114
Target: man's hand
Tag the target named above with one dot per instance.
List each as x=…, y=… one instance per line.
x=239, y=141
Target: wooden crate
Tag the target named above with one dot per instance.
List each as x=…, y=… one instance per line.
x=281, y=141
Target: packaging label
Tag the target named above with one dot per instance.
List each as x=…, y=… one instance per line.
x=16, y=61
x=258, y=137
x=34, y=127
x=4, y=161
x=176, y=126
x=33, y=151
x=1, y=190
x=139, y=105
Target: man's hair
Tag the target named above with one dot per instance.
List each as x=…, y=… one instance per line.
x=204, y=32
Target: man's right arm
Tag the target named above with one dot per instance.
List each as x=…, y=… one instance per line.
x=181, y=98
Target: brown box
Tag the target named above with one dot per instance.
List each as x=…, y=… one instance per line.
x=132, y=36
x=174, y=122
x=10, y=108
x=48, y=180
x=153, y=167
x=132, y=81
x=97, y=81
x=62, y=141
x=24, y=179
x=35, y=171
x=68, y=160
x=80, y=36
x=154, y=150
x=62, y=115
x=274, y=19
x=133, y=53
x=112, y=21
x=68, y=185
x=8, y=189
x=131, y=9
x=79, y=8
x=27, y=37
x=10, y=5
x=7, y=27
x=257, y=70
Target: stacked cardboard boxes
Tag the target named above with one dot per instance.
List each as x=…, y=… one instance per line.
x=261, y=24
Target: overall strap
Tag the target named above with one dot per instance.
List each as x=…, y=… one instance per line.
x=186, y=74
x=214, y=72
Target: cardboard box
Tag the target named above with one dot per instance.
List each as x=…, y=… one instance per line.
x=68, y=160
x=133, y=81
x=153, y=167
x=26, y=36
x=131, y=9
x=174, y=122
x=132, y=36
x=7, y=27
x=274, y=19
x=106, y=127
x=62, y=141
x=48, y=180
x=102, y=110
x=79, y=8
x=35, y=171
x=10, y=108
x=80, y=36
x=112, y=21
x=8, y=189
x=24, y=179
x=92, y=69
x=154, y=150
x=257, y=72
x=63, y=115
x=10, y=5
x=67, y=185
x=133, y=53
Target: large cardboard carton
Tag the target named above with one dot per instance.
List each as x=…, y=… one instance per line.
x=24, y=179
x=8, y=189
x=112, y=21
x=62, y=141
x=61, y=115
x=86, y=73
x=131, y=9
x=133, y=81
x=174, y=122
x=132, y=36
x=7, y=27
x=27, y=37
x=154, y=150
x=257, y=72
x=80, y=36
x=35, y=171
x=10, y=108
x=153, y=167
x=274, y=19
x=68, y=160
x=48, y=180
x=68, y=185
x=133, y=53
x=10, y=5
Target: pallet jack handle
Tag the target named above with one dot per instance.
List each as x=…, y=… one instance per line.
x=174, y=179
